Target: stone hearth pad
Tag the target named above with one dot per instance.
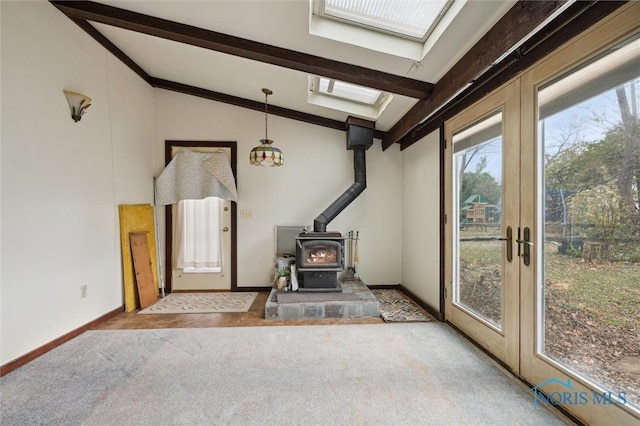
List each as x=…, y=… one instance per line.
x=295, y=297
x=355, y=301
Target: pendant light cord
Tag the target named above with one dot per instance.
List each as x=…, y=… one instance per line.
x=266, y=137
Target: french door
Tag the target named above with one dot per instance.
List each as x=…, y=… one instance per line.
x=580, y=298
x=546, y=275
x=482, y=218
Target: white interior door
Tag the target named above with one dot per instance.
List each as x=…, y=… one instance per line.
x=206, y=278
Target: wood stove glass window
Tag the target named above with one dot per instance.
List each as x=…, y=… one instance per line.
x=321, y=254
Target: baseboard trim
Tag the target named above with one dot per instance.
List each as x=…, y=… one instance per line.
x=383, y=286
x=258, y=289
x=19, y=362
x=434, y=312
x=235, y=290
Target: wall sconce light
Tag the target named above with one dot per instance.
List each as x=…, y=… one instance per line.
x=78, y=103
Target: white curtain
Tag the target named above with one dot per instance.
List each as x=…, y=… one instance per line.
x=198, y=240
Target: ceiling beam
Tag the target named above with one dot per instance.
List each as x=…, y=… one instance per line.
x=244, y=48
x=107, y=44
x=523, y=18
x=208, y=94
x=575, y=20
x=254, y=105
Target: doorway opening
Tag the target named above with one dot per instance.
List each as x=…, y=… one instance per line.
x=187, y=273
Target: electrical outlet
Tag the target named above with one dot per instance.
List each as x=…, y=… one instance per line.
x=83, y=291
x=246, y=214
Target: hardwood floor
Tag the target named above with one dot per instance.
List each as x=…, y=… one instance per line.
x=254, y=317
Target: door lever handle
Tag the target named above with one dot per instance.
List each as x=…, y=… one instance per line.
x=526, y=245
x=508, y=239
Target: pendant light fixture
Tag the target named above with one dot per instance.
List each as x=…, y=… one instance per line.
x=266, y=155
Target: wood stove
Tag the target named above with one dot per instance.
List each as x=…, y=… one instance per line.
x=320, y=254
x=319, y=258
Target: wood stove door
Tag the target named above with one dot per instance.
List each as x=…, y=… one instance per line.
x=320, y=255
x=482, y=168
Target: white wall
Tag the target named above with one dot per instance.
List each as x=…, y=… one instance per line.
x=421, y=219
x=317, y=169
x=62, y=181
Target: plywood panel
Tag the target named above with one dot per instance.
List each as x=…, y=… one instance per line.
x=147, y=289
x=135, y=218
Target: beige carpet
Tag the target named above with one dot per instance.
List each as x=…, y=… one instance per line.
x=202, y=303
x=396, y=307
x=420, y=373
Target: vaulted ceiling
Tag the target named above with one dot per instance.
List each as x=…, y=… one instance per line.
x=227, y=51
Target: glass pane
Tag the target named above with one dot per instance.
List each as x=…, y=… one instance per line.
x=478, y=198
x=590, y=275
x=408, y=17
x=349, y=91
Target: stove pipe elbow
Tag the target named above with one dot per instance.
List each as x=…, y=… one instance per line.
x=359, y=185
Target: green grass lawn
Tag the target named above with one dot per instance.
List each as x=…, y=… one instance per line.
x=608, y=291
x=592, y=312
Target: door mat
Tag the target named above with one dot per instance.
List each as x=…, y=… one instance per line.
x=202, y=303
x=396, y=307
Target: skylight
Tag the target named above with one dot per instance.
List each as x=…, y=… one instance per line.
x=348, y=91
x=404, y=28
x=347, y=97
x=410, y=18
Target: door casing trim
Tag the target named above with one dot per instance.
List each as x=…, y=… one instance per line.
x=168, y=223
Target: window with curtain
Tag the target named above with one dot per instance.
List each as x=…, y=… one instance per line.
x=197, y=240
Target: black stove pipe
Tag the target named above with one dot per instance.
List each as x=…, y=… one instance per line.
x=359, y=185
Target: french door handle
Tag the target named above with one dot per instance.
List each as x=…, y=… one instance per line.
x=484, y=239
x=526, y=245
x=508, y=239
x=509, y=244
